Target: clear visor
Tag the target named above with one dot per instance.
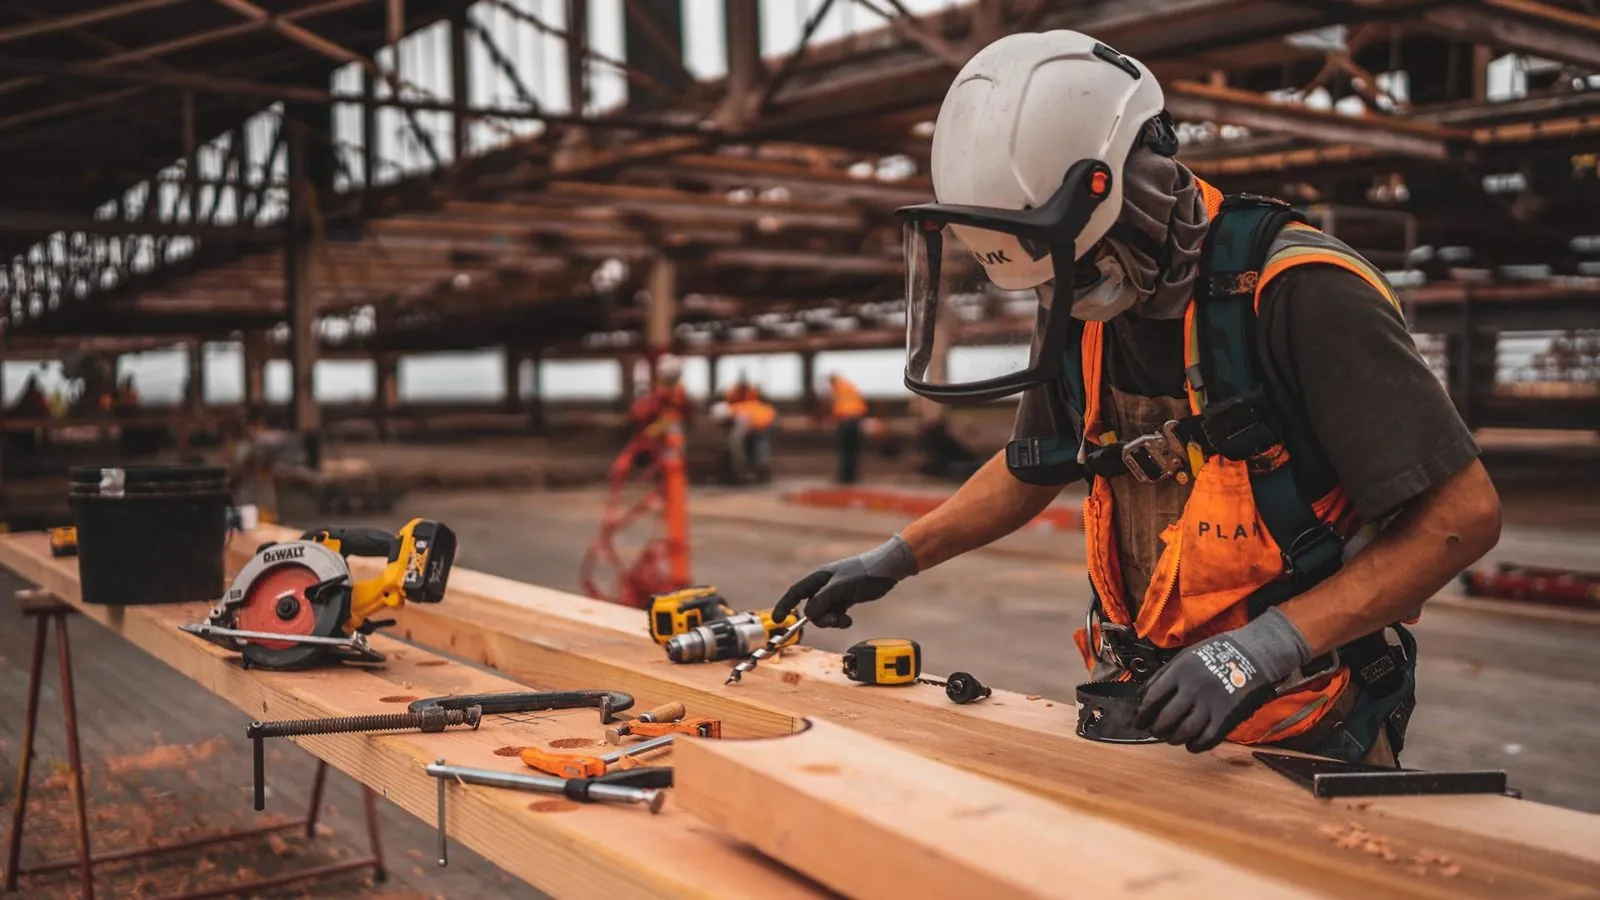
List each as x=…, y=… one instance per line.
x=973, y=297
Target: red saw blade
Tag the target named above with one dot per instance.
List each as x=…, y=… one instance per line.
x=260, y=609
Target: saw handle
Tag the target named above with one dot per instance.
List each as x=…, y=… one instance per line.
x=360, y=541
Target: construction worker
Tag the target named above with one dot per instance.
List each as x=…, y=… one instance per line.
x=751, y=419
x=667, y=403
x=849, y=409
x=1238, y=389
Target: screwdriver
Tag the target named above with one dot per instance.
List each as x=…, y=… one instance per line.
x=773, y=643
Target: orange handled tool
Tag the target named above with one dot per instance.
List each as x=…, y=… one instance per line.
x=583, y=765
x=699, y=726
x=564, y=765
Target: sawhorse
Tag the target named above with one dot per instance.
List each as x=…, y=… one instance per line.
x=45, y=608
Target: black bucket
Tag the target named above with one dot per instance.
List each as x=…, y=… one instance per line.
x=150, y=534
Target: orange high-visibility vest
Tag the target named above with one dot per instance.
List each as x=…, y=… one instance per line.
x=1203, y=577
x=847, y=402
x=757, y=414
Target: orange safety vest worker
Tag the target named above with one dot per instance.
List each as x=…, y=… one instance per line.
x=1222, y=542
x=847, y=401
x=757, y=414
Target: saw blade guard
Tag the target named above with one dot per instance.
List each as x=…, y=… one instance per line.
x=288, y=589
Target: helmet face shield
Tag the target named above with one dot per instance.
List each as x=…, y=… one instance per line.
x=980, y=321
x=961, y=327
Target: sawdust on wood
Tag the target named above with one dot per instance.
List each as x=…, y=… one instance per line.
x=821, y=769
x=552, y=806
x=397, y=698
x=791, y=678
x=508, y=751
x=434, y=662
x=570, y=743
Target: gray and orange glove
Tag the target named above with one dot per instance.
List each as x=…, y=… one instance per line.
x=1212, y=686
x=831, y=590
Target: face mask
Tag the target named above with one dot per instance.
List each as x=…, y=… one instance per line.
x=1107, y=298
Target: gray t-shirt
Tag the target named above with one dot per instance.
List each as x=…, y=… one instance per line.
x=1357, y=404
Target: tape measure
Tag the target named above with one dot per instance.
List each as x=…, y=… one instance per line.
x=883, y=661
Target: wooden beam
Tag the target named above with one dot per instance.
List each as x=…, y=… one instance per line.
x=1505, y=847
x=742, y=20
x=589, y=851
x=287, y=92
x=32, y=221
x=1523, y=26
x=1195, y=101
x=78, y=19
x=869, y=819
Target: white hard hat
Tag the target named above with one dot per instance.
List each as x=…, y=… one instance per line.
x=1022, y=112
x=668, y=366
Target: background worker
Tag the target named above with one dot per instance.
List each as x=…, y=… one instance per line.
x=750, y=435
x=1299, y=398
x=849, y=409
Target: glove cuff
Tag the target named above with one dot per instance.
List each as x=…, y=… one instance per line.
x=891, y=559
x=1275, y=643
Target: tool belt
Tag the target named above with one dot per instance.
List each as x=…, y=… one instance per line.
x=1383, y=688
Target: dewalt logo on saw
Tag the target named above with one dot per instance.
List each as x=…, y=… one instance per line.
x=282, y=553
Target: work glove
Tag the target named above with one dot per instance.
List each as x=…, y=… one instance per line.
x=1212, y=686
x=839, y=585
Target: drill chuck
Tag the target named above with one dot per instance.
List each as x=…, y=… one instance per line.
x=728, y=638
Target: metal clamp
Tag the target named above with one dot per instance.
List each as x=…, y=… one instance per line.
x=1155, y=457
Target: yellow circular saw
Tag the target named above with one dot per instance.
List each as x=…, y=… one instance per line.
x=295, y=604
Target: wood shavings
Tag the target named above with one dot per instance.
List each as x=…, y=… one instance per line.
x=1450, y=871
x=791, y=678
x=1034, y=697
x=279, y=846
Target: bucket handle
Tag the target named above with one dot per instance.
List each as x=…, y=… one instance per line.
x=111, y=482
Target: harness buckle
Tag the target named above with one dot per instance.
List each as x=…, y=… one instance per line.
x=1121, y=647
x=1156, y=457
x=1238, y=427
x=1315, y=550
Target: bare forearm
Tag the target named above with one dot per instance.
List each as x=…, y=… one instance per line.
x=991, y=505
x=1446, y=529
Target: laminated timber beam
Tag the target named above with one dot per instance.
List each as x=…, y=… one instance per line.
x=104, y=13
x=241, y=87
x=1384, y=134
x=1271, y=827
x=42, y=221
x=869, y=819
x=589, y=851
x=1524, y=26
